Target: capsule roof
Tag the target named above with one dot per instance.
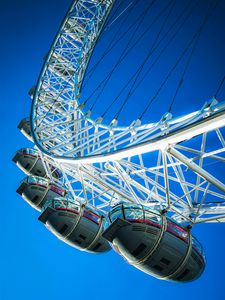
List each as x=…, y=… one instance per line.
x=24, y=127
x=37, y=190
x=30, y=162
x=155, y=243
x=75, y=223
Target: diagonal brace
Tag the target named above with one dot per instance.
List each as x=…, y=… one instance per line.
x=197, y=169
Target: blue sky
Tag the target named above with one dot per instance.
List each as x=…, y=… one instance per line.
x=34, y=264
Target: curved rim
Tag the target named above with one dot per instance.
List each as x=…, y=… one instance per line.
x=84, y=64
x=84, y=140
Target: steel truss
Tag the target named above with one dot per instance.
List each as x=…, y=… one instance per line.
x=154, y=164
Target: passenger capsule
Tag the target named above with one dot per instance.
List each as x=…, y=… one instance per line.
x=24, y=127
x=154, y=243
x=31, y=91
x=37, y=190
x=29, y=161
x=76, y=224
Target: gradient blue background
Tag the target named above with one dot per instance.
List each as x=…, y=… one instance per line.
x=34, y=264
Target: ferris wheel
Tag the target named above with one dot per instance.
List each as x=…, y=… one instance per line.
x=140, y=187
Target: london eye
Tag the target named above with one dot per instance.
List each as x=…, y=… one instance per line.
x=141, y=187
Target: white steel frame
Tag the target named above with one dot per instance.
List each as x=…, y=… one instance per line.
x=104, y=164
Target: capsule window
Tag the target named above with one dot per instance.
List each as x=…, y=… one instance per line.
x=139, y=249
x=64, y=214
x=152, y=231
x=27, y=166
x=138, y=228
x=63, y=229
x=78, y=242
x=35, y=198
x=165, y=261
x=36, y=173
x=96, y=246
x=158, y=268
x=82, y=237
x=197, y=259
x=182, y=275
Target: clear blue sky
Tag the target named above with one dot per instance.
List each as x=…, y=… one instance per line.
x=34, y=264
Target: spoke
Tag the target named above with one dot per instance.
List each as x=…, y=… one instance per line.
x=166, y=181
x=198, y=170
x=200, y=164
x=181, y=179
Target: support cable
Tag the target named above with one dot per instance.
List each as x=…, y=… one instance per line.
x=181, y=81
x=132, y=47
x=115, y=17
x=113, y=42
x=111, y=18
x=153, y=50
x=137, y=74
x=209, y=13
x=111, y=45
x=167, y=44
x=123, y=54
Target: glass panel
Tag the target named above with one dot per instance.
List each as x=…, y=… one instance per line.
x=153, y=211
x=44, y=182
x=106, y=223
x=48, y=203
x=28, y=151
x=62, y=202
x=132, y=205
x=57, y=189
x=38, y=180
x=116, y=212
x=197, y=246
x=134, y=212
x=73, y=206
x=153, y=219
x=91, y=215
x=177, y=230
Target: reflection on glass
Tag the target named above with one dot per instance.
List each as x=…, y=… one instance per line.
x=116, y=213
x=88, y=213
x=44, y=182
x=197, y=246
x=27, y=151
x=135, y=213
x=153, y=218
x=37, y=180
x=175, y=229
x=64, y=203
x=61, y=202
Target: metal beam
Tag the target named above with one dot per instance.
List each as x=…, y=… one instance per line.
x=197, y=169
x=208, y=124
